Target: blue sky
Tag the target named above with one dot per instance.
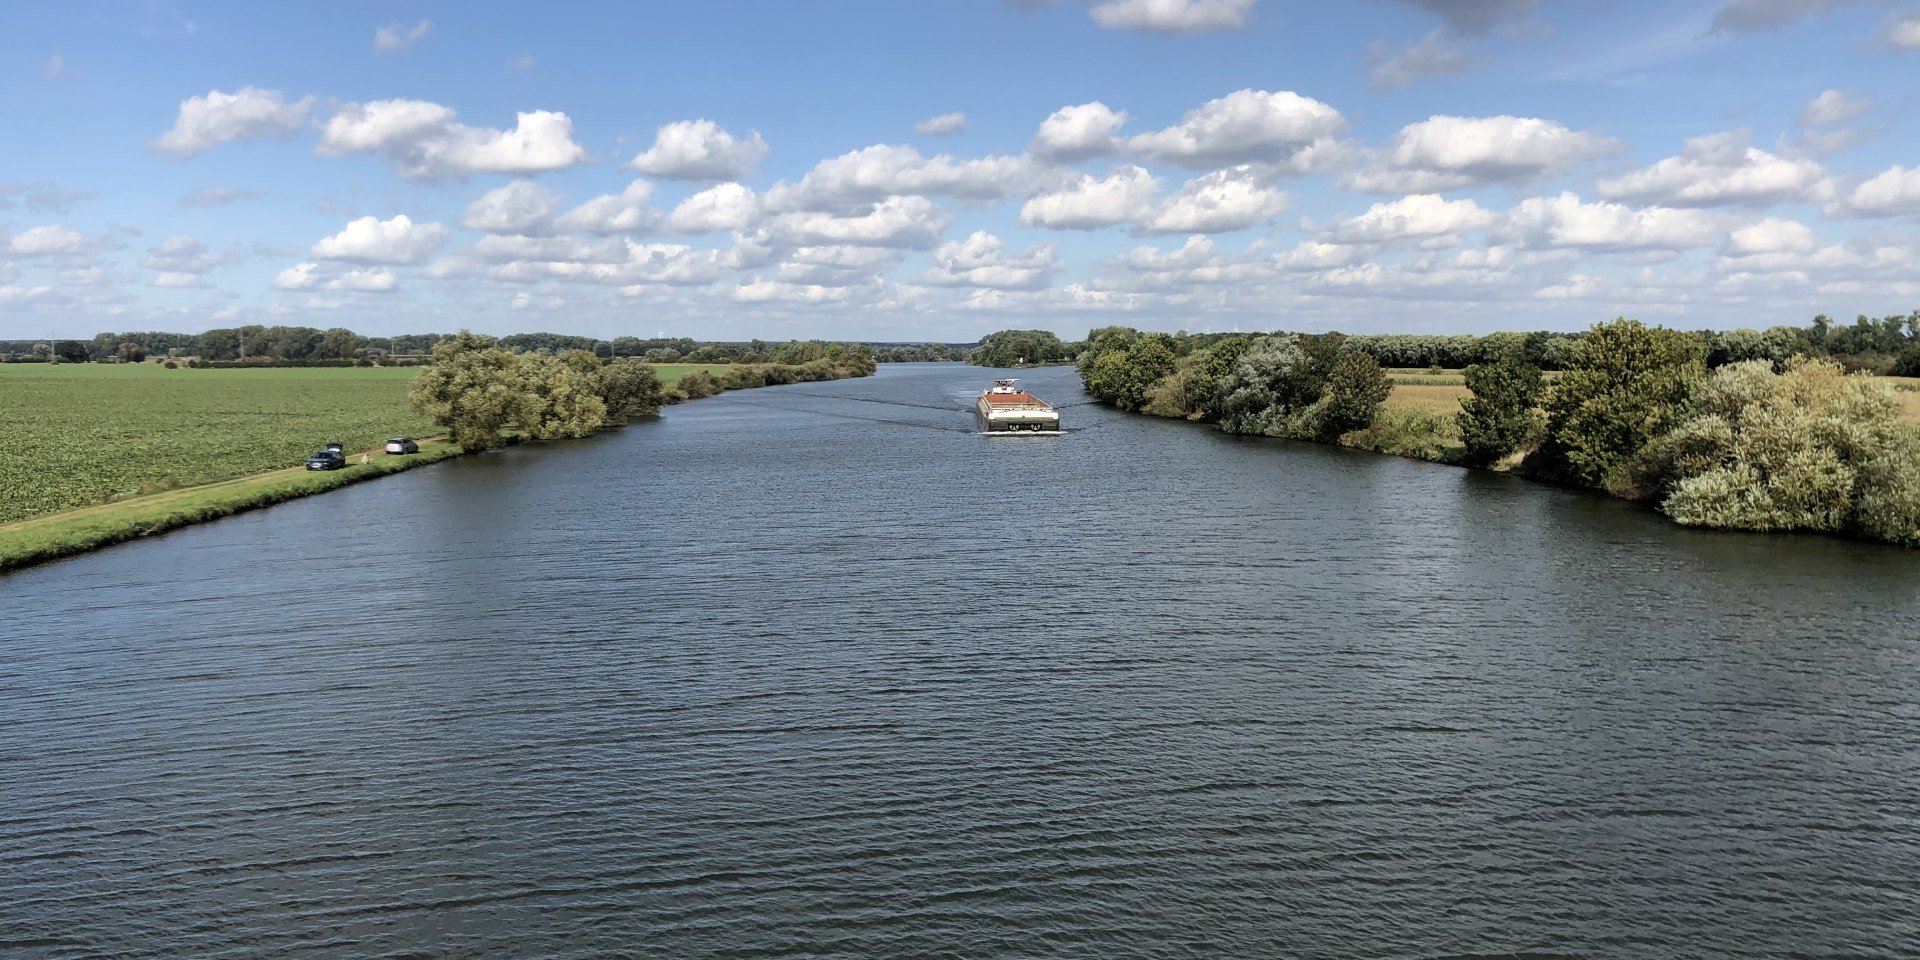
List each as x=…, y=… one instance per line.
x=938, y=170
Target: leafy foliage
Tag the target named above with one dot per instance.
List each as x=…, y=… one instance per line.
x=1009, y=348
x=1306, y=389
x=1623, y=389
x=1499, y=418
x=1806, y=449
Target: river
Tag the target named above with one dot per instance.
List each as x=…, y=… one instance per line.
x=818, y=671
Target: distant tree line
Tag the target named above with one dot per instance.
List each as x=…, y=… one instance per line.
x=309, y=346
x=1776, y=436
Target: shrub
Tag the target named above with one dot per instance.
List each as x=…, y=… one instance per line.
x=1406, y=433
x=170, y=365
x=1810, y=448
x=1284, y=386
x=698, y=383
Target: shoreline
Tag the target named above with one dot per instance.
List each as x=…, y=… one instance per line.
x=56, y=536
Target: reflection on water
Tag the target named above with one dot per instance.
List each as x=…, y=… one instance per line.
x=819, y=671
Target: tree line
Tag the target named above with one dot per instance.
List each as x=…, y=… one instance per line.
x=479, y=389
x=1785, y=440
x=296, y=345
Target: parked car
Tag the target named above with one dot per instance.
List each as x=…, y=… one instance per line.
x=402, y=445
x=338, y=447
x=328, y=459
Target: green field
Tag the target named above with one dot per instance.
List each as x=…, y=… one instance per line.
x=74, y=435
x=80, y=434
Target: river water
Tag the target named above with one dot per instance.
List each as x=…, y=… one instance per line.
x=818, y=671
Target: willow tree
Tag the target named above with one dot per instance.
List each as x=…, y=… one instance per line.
x=473, y=388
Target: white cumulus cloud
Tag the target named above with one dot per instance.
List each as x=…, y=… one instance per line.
x=909, y=222
x=700, y=150
x=1451, y=153
x=51, y=240
x=1078, y=132
x=519, y=207
x=725, y=206
x=982, y=260
x=1566, y=221
x=1771, y=235
x=247, y=114
x=1243, y=126
x=372, y=240
x=623, y=212
x=1414, y=217
x=424, y=141
x=1722, y=169
x=1890, y=193
x=1231, y=199
x=883, y=170
x=302, y=276
x=1093, y=202
x=1831, y=107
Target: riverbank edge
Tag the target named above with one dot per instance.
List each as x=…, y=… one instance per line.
x=56, y=536
x=68, y=533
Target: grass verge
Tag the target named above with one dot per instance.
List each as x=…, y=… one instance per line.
x=50, y=537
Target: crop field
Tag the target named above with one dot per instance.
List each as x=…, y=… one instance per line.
x=78, y=434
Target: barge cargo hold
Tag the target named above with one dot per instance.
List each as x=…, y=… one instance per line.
x=1007, y=409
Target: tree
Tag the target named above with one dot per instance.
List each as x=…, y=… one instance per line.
x=1806, y=449
x=130, y=352
x=473, y=388
x=1623, y=390
x=558, y=398
x=337, y=343
x=1355, y=389
x=42, y=352
x=1499, y=418
x=630, y=389
x=1269, y=383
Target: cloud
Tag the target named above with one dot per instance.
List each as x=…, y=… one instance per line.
x=1094, y=202
x=837, y=264
x=1172, y=17
x=368, y=280
x=51, y=240
x=181, y=254
x=519, y=207
x=524, y=61
x=700, y=150
x=982, y=260
x=1437, y=54
x=725, y=206
x=298, y=277
x=372, y=240
x=1722, y=170
x=910, y=222
x=1450, y=153
x=1474, y=16
x=943, y=125
x=1243, y=126
x=1831, y=107
x=249, y=114
x=882, y=170
x=173, y=280
x=219, y=197
x=1771, y=236
x=1409, y=218
x=1749, y=16
x=766, y=291
x=56, y=67
x=1078, y=132
x=41, y=197
x=1904, y=32
x=513, y=247
x=423, y=141
x=1231, y=199
x=397, y=37
x=1565, y=221
x=1892, y=192
x=623, y=212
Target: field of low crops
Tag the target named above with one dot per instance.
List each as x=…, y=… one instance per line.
x=78, y=434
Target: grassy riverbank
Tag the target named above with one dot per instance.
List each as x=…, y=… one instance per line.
x=76, y=531
x=93, y=455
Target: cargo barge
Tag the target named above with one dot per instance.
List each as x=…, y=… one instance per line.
x=1005, y=408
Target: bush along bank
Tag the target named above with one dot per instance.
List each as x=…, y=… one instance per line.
x=1796, y=444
